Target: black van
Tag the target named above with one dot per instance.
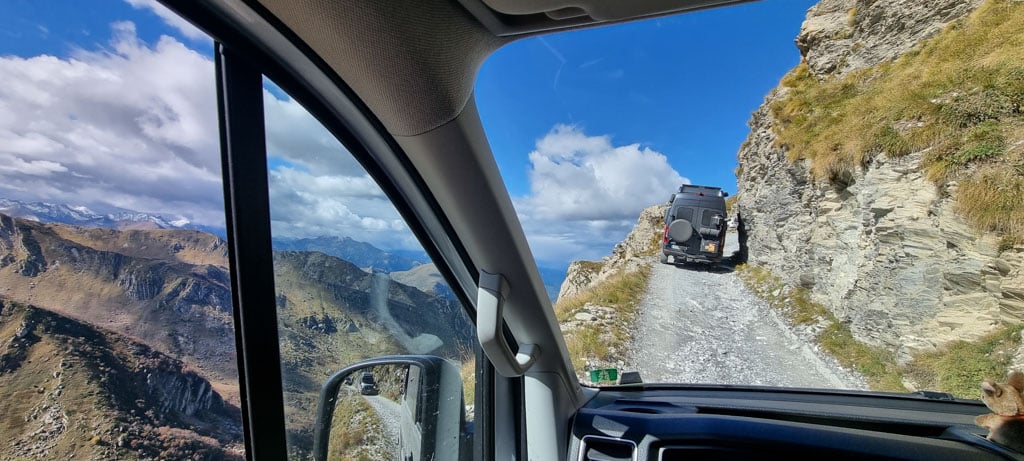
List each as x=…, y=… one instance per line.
x=695, y=225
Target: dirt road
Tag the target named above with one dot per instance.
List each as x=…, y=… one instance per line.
x=704, y=326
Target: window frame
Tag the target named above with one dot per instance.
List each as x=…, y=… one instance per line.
x=269, y=49
x=250, y=254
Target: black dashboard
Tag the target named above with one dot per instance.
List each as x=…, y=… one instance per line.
x=722, y=422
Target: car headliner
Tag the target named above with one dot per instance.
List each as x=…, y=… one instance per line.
x=414, y=62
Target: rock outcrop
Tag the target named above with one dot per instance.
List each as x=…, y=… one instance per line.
x=19, y=249
x=81, y=392
x=886, y=251
x=843, y=35
x=627, y=254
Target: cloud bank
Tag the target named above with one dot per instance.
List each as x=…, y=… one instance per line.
x=134, y=125
x=131, y=126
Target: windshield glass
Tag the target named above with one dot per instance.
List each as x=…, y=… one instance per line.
x=860, y=222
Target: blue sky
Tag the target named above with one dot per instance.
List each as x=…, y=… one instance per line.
x=588, y=127
x=683, y=85
x=58, y=27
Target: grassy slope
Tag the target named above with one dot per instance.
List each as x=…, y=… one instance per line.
x=621, y=292
x=958, y=369
x=70, y=391
x=958, y=98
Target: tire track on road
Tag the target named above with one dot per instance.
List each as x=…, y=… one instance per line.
x=699, y=326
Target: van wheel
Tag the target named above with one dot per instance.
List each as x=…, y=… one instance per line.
x=663, y=258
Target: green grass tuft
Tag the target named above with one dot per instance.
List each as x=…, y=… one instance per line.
x=621, y=292
x=876, y=364
x=958, y=97
x=960, y=367
x=991, y=200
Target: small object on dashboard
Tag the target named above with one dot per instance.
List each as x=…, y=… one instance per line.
x=604, y=375
x=630, y=377
x=1006, y=422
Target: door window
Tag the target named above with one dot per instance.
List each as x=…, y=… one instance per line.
x=115, y=294
x=353, y=283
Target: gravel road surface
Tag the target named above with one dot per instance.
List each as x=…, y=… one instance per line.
x=701, y=326
x=390, y=416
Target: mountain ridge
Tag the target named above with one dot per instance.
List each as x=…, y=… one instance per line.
x=170, y=290
x=80, y=215
x=81, y=391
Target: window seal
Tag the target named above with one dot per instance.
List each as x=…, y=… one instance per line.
x=250, y=254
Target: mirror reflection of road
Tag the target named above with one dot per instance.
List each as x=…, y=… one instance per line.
x=702, y=326
x=390, y=416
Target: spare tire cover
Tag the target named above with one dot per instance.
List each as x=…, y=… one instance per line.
x=680, y=230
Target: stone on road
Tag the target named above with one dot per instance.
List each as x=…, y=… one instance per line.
x=701, y=326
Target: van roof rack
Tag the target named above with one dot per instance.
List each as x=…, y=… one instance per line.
x=701, y=190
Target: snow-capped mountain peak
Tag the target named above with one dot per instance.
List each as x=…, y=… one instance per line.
x=81, y=215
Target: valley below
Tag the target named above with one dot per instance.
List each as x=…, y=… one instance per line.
x=120, y=343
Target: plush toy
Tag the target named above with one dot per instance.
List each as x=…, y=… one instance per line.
x=1006, y=422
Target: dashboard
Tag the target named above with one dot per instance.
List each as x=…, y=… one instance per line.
x=723, y=422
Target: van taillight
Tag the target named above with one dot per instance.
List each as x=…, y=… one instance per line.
x=664, y=238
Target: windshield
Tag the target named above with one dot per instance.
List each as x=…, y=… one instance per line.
x=859, y=221
x=783, y=193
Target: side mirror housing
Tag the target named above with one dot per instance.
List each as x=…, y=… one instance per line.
x=418, y=398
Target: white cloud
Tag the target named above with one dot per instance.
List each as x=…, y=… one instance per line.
x=132, y=126
x=170, y=18
x=295, y=136
x=318, y=188
x=586, y=193
x=12, y=164
x=305, y=204
x=135, y=126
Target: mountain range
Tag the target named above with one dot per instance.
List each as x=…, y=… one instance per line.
x=169, y=290
x=361, y=254
x=75, y=391
x=83, y=216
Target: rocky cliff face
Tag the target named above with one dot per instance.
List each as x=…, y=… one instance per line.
x=157, y=286
x=19, y=249
x=843, y=35
x=627, y=254
x=80, y=392
x=885, y=251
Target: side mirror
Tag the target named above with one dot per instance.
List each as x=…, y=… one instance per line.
x=413, y=401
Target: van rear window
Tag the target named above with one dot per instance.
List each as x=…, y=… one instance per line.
x=705, y=219
x=684, y=213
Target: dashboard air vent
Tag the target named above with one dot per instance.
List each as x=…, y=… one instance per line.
x=596, y=448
